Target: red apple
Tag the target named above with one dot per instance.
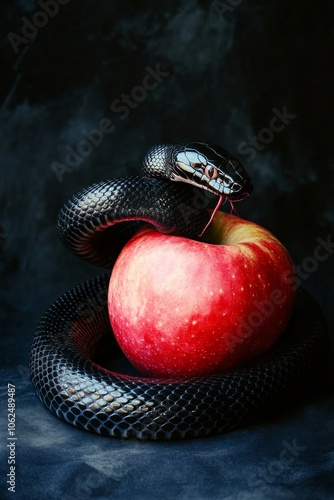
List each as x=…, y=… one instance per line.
x=183, y=308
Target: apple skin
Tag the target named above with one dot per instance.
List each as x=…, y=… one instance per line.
x=180, y=308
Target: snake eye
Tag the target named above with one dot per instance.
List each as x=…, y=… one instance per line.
x=211, y=172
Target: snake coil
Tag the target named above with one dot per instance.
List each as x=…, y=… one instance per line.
x=66, y=363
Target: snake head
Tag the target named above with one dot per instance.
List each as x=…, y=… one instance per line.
x=212, y=168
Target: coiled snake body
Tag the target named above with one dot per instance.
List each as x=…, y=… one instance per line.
x=70, y=337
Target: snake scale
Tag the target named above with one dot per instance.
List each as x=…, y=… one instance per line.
x=73, y=337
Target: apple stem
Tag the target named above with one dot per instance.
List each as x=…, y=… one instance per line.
x=221, y=197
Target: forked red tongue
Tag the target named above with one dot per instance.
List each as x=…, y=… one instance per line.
x=220, y=201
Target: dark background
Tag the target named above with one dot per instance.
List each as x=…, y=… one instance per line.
x=227, y=67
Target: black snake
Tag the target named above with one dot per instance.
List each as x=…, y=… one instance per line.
x=73, y=337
